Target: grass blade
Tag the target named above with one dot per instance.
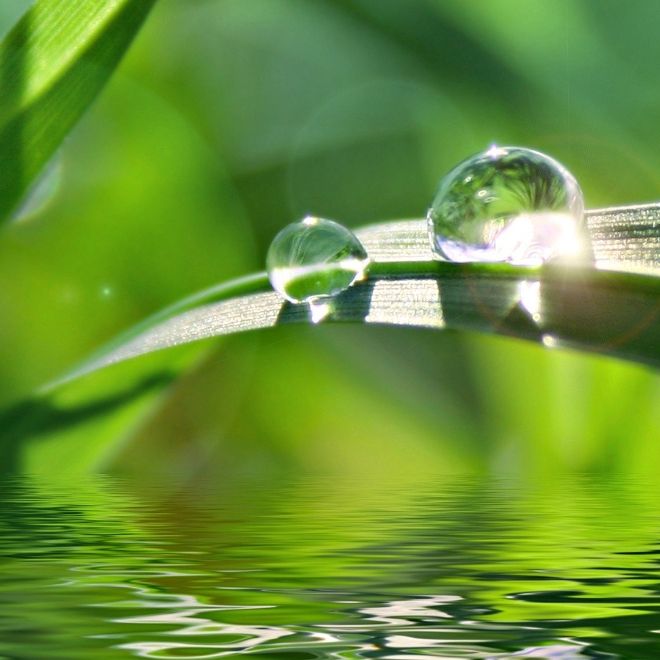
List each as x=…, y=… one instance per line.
x=81, y=425
x=52, y=65
x=612, y=309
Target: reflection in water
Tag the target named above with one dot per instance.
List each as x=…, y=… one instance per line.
x=327, y=569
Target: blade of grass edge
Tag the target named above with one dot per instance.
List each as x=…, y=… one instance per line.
x=613, y=309
x=77, y=427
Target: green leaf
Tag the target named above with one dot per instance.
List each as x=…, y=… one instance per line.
x=78, y=423
x=52, y=65
x=612, y=309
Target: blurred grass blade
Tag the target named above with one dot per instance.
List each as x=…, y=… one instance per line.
x=613, y=309
x=52, y=65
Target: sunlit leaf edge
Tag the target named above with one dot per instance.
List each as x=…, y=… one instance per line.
x=613, y=308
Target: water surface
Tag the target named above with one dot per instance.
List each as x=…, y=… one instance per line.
x=323, y=568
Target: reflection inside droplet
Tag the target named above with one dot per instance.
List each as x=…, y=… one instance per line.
x=313, y=259
x=534, y=238
x=507, y=204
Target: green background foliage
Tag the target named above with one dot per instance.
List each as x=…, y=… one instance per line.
x=229, y=119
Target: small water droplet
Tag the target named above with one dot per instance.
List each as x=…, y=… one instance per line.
x=313, y=259
x=508, y=204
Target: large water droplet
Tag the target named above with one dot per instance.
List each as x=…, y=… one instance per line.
x=313, y=259
x=508, y=204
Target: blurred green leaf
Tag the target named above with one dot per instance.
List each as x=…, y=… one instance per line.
x=87, y=421
x=52, y=65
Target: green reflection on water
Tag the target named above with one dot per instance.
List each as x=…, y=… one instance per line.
x=308, y=568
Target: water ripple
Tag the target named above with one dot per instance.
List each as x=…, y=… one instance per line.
x=321, y=569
